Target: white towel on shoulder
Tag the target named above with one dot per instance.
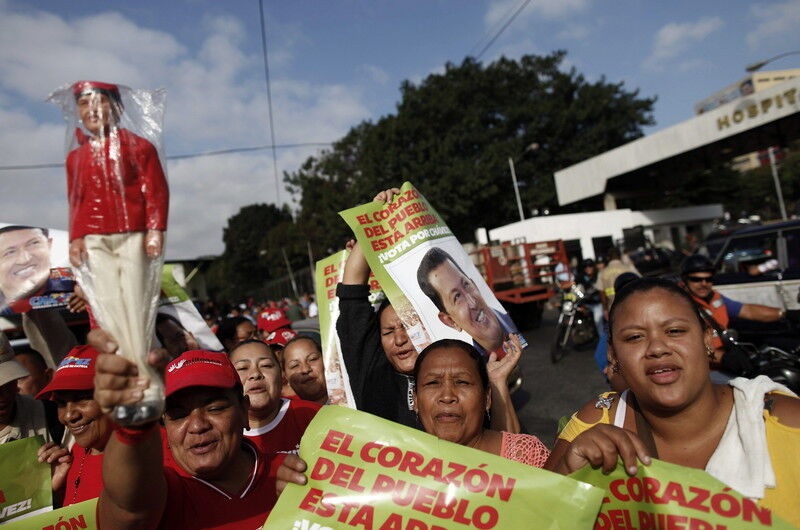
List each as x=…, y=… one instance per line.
x=741, y=459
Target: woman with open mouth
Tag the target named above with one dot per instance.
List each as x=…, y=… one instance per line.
x=744, y=433
x=275, y=423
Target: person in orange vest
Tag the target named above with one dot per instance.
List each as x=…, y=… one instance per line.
x=697, y=276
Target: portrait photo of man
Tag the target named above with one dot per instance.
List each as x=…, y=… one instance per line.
x=24, y=261
x=460, y=303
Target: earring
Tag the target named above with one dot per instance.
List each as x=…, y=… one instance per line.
x=709, y=352
x=615, y=367
x=489, y=415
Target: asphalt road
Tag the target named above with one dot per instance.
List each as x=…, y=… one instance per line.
x=550, y=391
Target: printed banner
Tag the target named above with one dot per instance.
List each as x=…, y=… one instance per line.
x=34, y=269
x=432, y=282
x=175, y=302
x=24, y=482
x=383, y=475
x=329, y=273
x=664, y=495
x=73, y=517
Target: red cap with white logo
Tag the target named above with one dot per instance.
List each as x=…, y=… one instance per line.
x=281, y=337
x=75, y=372
x=199, y=368
x=273, y=318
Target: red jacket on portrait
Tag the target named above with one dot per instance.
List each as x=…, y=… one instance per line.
x=115, y=185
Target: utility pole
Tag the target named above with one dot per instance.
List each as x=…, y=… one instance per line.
x=516, y=188
x=777, y=182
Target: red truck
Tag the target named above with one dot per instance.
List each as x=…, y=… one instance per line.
x=523, y=275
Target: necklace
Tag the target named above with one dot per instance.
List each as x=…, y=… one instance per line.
x=80, y=474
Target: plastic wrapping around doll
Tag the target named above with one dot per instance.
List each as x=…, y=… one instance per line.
x=118, y=206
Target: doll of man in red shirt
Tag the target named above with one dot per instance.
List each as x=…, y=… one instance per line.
x=118, y=203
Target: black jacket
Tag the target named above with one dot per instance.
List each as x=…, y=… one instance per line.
x=377, y=387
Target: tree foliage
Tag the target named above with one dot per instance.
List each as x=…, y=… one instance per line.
x=247, y=261
x=452, y=136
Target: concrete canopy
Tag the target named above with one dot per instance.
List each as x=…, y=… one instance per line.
x=764, y=118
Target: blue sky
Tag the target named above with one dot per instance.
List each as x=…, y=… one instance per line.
x=333, y=64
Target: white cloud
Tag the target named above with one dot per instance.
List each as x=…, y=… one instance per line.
x=574, y=32
x=675, y=38
x=774, y=21
x=375, y=73
x=499, y=10
x=216, y=99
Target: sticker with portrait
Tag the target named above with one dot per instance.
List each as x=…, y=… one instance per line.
x=34, y=268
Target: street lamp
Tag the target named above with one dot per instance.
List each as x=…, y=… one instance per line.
x=752, y=67
x=532, y=147
x=777, y=182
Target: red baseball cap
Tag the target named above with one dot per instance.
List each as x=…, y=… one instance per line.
x=199, y=368
x=75, y=372
x=280, y=337
x=273, y=318
x=80, y=88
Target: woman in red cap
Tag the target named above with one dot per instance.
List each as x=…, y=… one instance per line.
x=72, y=388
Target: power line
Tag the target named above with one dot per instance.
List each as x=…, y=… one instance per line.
x=269, y=100
x=186, y=156
x=487, y=33
x=502, y=29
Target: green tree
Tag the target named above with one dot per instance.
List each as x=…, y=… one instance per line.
x=245, y=265
x=756, y=189
x=452, y=136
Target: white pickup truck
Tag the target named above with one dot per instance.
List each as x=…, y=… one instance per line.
x=758, y=264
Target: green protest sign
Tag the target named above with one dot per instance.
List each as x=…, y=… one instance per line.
x=432, y=282
x=669, y=496
x=24, y=481
x=73, y=517
x=329, y=273
x=380, y=475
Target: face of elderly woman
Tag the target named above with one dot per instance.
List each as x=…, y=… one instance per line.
x=450, y=398
x=661, y=349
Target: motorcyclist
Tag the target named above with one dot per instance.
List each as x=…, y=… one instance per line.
x=697, y=277
x=586, y=275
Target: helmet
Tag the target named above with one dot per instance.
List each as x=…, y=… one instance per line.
x=696, y=263
x=588, y=262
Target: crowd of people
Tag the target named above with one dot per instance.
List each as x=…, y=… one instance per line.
x=228, y=439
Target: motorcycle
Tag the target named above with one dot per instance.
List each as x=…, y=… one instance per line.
x=781, y=366
x=575, y=327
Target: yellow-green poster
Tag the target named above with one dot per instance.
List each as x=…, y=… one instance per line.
x=669, y=496
x=329, y=273
x=368, y=473
x=433, y=284
x=73, y=517
x=24, y=481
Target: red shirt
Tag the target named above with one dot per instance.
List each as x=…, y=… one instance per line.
x=85, y=476
x=127, y=193
x=282, y=435
x=194, y=503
